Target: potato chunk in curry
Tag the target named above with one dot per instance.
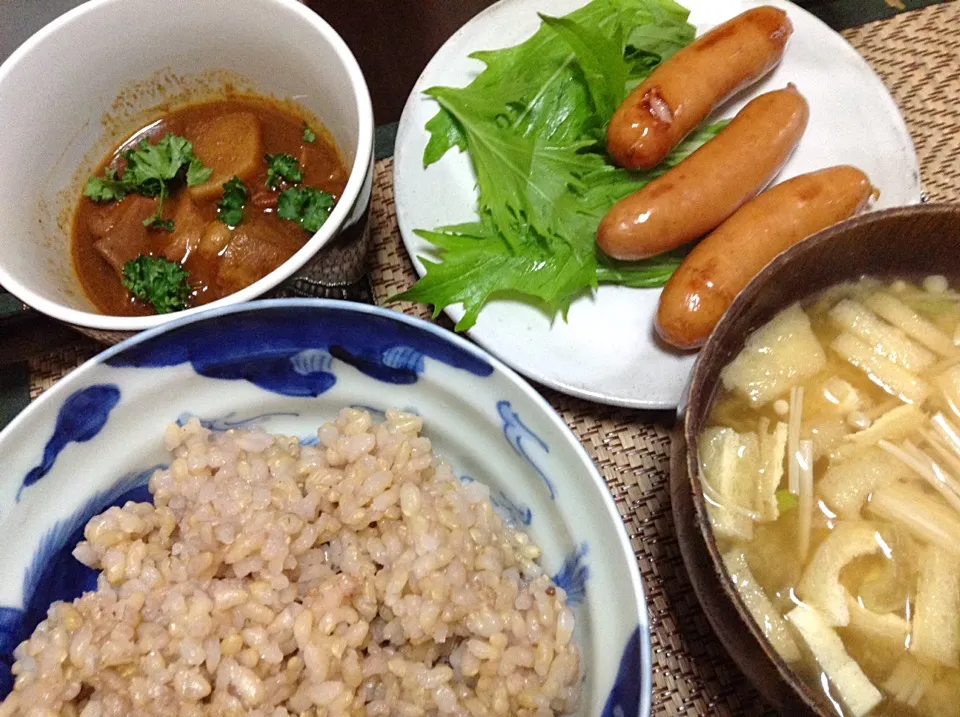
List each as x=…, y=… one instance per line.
x=229, y=144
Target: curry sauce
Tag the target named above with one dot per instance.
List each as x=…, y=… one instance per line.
x=232, y=137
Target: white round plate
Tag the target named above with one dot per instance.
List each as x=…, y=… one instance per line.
x=606, y=350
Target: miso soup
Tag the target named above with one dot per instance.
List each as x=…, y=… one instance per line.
x=831, y=468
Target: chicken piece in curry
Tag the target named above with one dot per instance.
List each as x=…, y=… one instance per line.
x=202, y=203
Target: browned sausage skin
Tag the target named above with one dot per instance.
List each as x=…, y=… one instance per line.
x=711, y=184
x=719, y=267
x=682, y=91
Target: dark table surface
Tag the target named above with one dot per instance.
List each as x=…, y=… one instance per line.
x=394, y=39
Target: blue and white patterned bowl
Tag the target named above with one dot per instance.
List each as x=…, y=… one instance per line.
x=94, y=439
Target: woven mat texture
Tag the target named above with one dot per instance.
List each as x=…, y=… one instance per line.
x=916, y=54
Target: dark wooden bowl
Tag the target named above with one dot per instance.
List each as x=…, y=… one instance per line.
x=904, y=242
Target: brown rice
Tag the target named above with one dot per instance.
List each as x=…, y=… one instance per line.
x=271, y=579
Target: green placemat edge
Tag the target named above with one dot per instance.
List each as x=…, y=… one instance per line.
x=846, y=14
x=14, y=391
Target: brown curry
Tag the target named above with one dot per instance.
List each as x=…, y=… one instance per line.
x=233, y=138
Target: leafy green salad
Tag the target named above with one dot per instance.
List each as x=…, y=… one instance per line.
x=534, y=124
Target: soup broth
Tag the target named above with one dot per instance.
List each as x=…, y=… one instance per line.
x=231, y=138
x=831, y=468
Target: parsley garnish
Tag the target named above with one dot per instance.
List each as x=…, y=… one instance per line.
x=158, y=222
x=234, y=199
x=150, y=170
x=157, y=281
x=151, y=166
x=308, y=134
x=308, y=206
x=107, y=188
x=282, y=166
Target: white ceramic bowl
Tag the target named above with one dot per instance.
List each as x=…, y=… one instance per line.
x=93, y=440
x=74, y=89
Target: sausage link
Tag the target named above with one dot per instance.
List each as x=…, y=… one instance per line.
x=684, y=89
x=711, y=184
x=719, y=267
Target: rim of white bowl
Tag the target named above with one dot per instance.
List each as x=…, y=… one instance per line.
x=330, y=229
x=612, y=514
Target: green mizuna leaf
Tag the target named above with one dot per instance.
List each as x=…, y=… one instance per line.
x=445, y=134
x=478, y=267
x=601, y=59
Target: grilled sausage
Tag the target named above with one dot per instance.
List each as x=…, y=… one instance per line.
x=720, y=266
x=711, y=184
x=682, y=91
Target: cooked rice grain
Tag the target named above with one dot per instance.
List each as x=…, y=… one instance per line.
x=271, y=579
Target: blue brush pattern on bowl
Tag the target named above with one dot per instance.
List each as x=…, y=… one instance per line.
x=522, y=440
x=289, y=365
x=513, y=513
x=574, y=574
x=299, y=360
x=82, y=416
x=627, y=694
x=231, y=422
x=54, y=574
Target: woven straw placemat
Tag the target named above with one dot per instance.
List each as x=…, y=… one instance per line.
x=916, y=54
